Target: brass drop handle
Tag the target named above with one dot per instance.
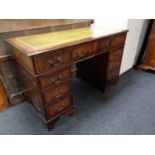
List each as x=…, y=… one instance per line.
x=60, y=76
x=56, y=80
x=81, y=53
x=50, y=61
x=59, y=107
x=55, y=62
x=58, y=61
x=61, y=92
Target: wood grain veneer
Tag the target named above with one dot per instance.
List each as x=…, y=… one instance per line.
x=22, y=27
x=45, y=65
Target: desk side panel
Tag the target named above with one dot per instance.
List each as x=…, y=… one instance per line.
x=31, y=89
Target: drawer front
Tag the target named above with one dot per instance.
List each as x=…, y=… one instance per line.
x=94, y=48
x=58, y=107
x=103, y=44
x=114, y=64
x=115, y=58
x=55, y=93
x=84, y=50
x=54, y=79
x=47, y=62
x=118, y=40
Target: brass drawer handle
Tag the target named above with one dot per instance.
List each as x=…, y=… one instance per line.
x=60, y=107
x=56, y=80
x=60, y=94
x=50, y=62
x=81, y=53
x=59, y=59
x=56, y=62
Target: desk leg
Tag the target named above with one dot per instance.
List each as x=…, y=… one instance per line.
x=115, y=81
x=51, y=124
x=70, y=112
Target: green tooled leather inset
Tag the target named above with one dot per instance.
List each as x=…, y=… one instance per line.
x=55, y=38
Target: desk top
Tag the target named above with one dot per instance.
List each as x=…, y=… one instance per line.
x=38, y=43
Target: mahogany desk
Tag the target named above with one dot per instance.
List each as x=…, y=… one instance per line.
x=47, y=63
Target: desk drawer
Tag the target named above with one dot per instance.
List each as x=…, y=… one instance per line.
x=116, y=54
x=115, y=57
x=54, y=79
x=59, y=107
x=56, y=92
x=45, y=63
x=84, y=50
x=118, y=40
x=103, y=44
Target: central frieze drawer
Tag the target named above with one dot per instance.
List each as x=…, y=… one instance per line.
x=84, y=50
x=56, y=92
x=52, y=61
x=54, y=79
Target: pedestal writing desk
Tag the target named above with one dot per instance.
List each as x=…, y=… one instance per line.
x=47, y=62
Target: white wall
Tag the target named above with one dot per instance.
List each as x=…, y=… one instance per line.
x=137, y=29
x=141, y=38
x=116, y=23
x=135, y=36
